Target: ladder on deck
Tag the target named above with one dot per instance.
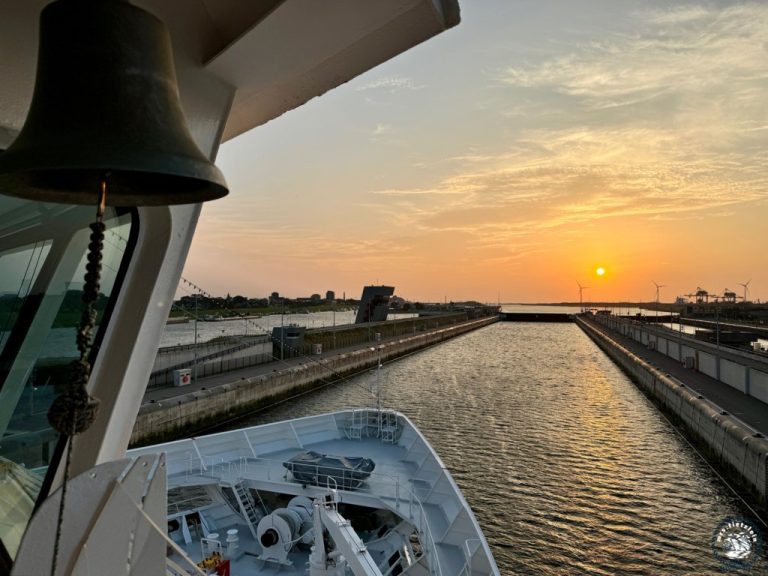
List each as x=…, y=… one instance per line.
x=355, y=430
x=247, y=506
x=388, y=426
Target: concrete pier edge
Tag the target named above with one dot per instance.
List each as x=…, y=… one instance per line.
x=192, y=413
x=735, y=449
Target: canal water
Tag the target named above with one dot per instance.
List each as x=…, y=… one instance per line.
x=568, y=467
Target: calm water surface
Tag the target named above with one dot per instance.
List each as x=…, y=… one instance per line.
x=569, y=469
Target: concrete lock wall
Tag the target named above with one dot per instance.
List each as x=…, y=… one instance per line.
x=758, y=384
x=741, y=454
x=688, y=352
x=673, y=349
x=733, y=374
x=707, y=364
x=185, y=414
x=211, y=358
x=705, y=358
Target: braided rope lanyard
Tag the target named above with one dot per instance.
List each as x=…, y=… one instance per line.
x=74, y=410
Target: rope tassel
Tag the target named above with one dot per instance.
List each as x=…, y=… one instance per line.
x=74, y=410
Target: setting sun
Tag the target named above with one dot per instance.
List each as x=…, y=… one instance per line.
x=600, y=271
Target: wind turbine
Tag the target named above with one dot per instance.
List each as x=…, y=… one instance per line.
x=658, y=288
x=746, y=290
x=581, y=290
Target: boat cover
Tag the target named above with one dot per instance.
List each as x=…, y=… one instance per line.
x=344, y=472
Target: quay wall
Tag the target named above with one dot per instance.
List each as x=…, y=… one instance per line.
x=741, y=452
x=743, y=370
x=193, y=412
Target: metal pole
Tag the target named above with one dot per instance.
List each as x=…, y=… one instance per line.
x=194, y=361
x=378, y=382
x=282, y=331
x=717, y=325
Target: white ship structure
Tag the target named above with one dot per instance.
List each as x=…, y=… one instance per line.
x=260, y=497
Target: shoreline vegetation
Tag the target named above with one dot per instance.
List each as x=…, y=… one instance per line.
x=213, y=308
x=68, y=315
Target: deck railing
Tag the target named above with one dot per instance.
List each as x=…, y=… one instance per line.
x=388, y=489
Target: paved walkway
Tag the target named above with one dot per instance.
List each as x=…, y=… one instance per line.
x=209, y=382
x=748, y=409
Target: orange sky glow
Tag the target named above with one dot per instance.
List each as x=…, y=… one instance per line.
x=511, y=157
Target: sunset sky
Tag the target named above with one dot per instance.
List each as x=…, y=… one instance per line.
x=512, y=156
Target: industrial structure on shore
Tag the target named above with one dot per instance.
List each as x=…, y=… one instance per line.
x=374, y=304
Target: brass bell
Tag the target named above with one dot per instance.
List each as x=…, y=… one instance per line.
x=106, y=108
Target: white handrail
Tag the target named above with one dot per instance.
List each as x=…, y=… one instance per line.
x=468, y=554
x=232, y=471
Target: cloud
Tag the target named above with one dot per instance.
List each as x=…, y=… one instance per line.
x=381, y=129
x=390, y=84
x=416, y=192
x=688, y=52
x=661, y=124
x=559, y=179
x=666, y=120
x=678, y=15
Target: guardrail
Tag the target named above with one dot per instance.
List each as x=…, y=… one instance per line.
x=677, y=335
x=743, y=370
x=163, y=377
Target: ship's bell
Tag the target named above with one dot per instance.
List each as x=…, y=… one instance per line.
x=106, y=108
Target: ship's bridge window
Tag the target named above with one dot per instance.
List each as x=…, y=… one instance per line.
x=42, y=263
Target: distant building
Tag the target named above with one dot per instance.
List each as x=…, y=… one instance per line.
x=330, y=296
x=374, y=304
x=274, y=298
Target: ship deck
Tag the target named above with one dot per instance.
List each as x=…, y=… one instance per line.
x=409, y=481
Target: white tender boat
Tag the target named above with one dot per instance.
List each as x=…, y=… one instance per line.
x=71, y=501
